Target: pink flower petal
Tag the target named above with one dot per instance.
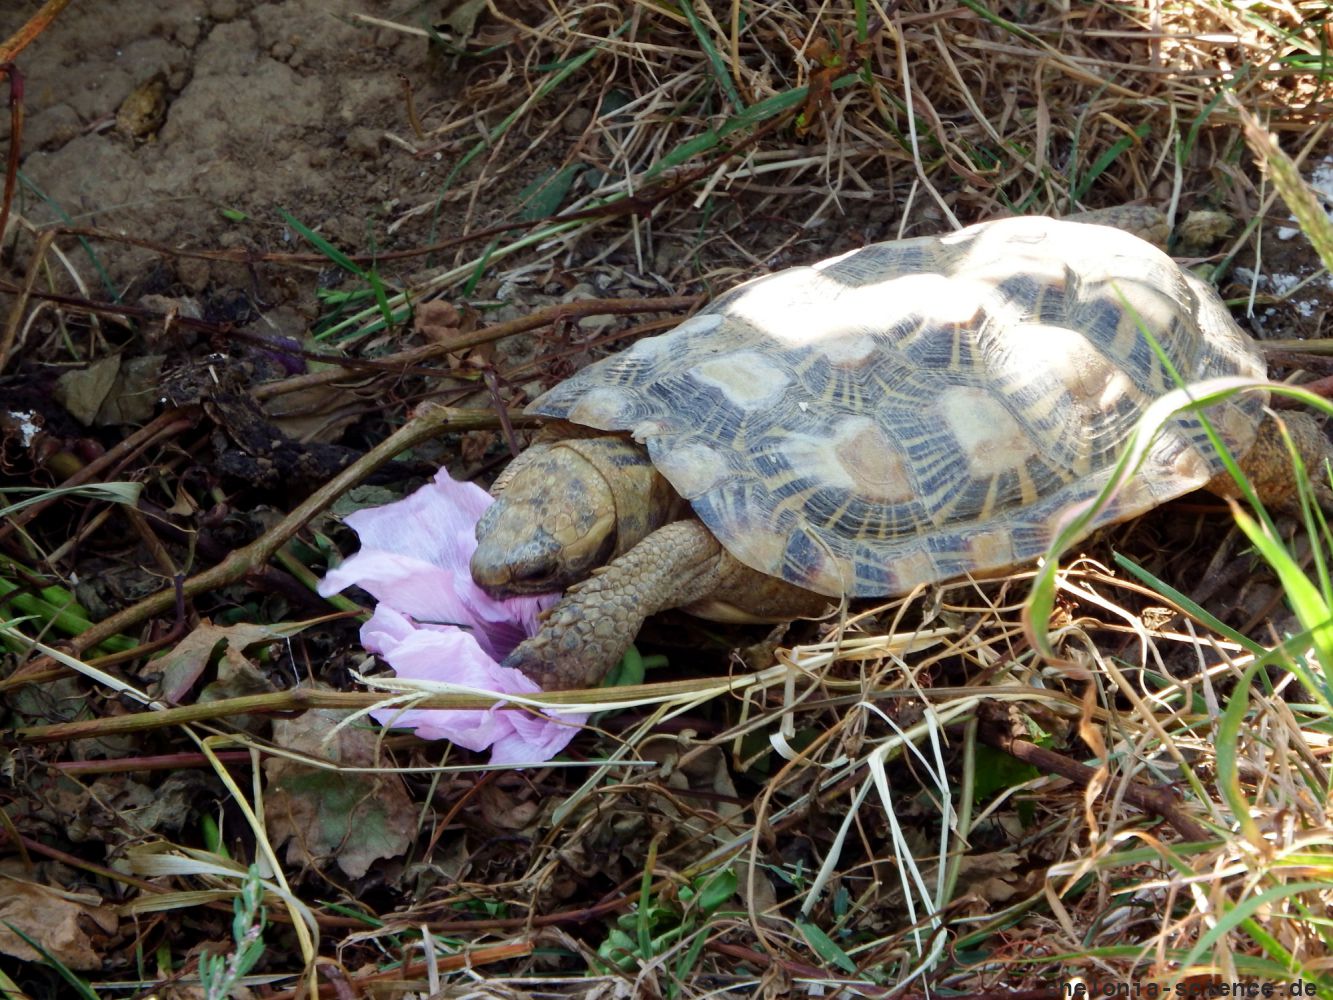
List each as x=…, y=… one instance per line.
x=536, y=737
x=441, y=656
x=436, y=523
x=414, y=557
x=417, y=588
x=449, y=655
x=434, y=623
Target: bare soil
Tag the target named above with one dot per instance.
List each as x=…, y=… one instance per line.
x=260, y=108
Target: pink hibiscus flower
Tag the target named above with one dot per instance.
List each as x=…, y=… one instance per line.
x=433, y=623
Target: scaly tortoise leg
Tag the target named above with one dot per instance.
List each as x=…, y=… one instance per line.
x=679, y=564
x=1267, y=465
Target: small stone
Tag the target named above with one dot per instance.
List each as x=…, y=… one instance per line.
x=576, y=121
x=142, y=113
x=1201, y=229
x=193, y=273
x=364, y=142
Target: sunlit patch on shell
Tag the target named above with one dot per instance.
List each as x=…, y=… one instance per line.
x=694, y=469
x=873, y=464
x=1015, y=230
x=652, y=349
x=820, y=310
x=603, y=407
x=748, y=379
x=1025, y=272
x=1069, y=359
x=990, y=549
x=987, y=434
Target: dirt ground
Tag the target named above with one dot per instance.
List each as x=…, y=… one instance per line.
x=196, y=124
x=157, y=120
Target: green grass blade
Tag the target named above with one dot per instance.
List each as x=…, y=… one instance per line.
x=1311, y=607
x=77, y=984
x=1100, y=165
x=716, y=63
x=322, y=245
x=984, y=11
x=368, y=275
x=544, y=196
x=1306, y=600
x=1237, y=915
x=826, y=948
x=1228, y=744
x=127, y=493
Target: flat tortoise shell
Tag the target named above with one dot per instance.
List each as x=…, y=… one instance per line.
x=923, y=409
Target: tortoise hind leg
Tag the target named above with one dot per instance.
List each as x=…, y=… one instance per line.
x=679, y=564
x=1267, y=465
x=1143, y=221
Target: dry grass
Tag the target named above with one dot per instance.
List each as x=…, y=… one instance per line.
x=913, y=799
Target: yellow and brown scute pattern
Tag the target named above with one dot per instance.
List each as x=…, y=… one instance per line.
x=918, y=410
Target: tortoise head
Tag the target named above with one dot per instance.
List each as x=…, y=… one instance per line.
x=552, y=524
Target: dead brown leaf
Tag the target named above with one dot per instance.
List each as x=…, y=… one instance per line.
x=320, y=813
x=70, y=927
x=112, y=391
x=182, y=667
x=438, y=321
x=83, y=391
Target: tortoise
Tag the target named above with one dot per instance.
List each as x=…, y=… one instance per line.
x=907, y=413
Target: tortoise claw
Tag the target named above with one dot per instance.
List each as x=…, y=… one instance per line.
x=567, y=652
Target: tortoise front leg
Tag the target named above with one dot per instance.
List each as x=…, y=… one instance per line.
x=586, y=634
